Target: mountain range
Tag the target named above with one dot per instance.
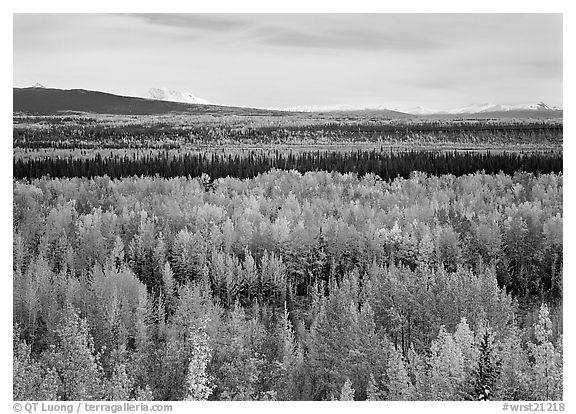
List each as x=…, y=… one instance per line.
x=48, y=101
x=469, y=109
x=483, y=108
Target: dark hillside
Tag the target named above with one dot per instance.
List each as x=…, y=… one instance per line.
x=45, y=101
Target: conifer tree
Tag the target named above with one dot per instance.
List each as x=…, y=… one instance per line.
x=487, y=369
x=31, y=381
x=464, y=339
x=168, y=287
x=347, y=392
x=372, y=391
x=513, y=383
x=399, y=385
x=117, y=253
x=120, y=384
x=198, y=381
x=74, y=359
x=447, y=367
x=547, y=369
x=291, y=360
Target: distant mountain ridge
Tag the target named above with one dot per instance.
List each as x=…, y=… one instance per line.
x=40, y=100
x=334, y=108
x=473, y=109
x=344, y=110
x=484, y=108
x=49, y=101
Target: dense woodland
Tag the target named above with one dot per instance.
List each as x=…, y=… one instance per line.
x=184, y=257
x=290, y=286
x=248, y=164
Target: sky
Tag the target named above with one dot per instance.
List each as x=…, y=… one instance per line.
x=399, y=61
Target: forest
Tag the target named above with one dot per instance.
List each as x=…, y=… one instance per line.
x=289, y=285
x=387, y=164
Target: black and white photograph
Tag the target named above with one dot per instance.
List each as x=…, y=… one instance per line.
x=287, y=207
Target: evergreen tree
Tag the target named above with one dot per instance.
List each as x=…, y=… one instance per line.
x=487, y=370
x=464, y=339
x=372, y=391
x=31, y=381
x=399, y=385
x=347, y=392
x=291, y=360
x=198, y=381
x=74, y=359
x=547, y=367
x=168, y=287
x=447, y=367
x=237, y=359
x=513, y=383
x=120, y=384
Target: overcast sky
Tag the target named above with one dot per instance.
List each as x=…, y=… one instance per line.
x=400, y=61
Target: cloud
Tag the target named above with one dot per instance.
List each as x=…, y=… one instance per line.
x=305, y=31
x=209, y=22
x=351, y=38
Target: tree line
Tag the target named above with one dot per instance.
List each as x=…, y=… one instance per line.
x=248, y=164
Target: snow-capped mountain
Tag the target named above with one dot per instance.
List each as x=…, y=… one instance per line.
x=165, y=94
x=483, y=108
x=418, y=110
x=489, y=107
